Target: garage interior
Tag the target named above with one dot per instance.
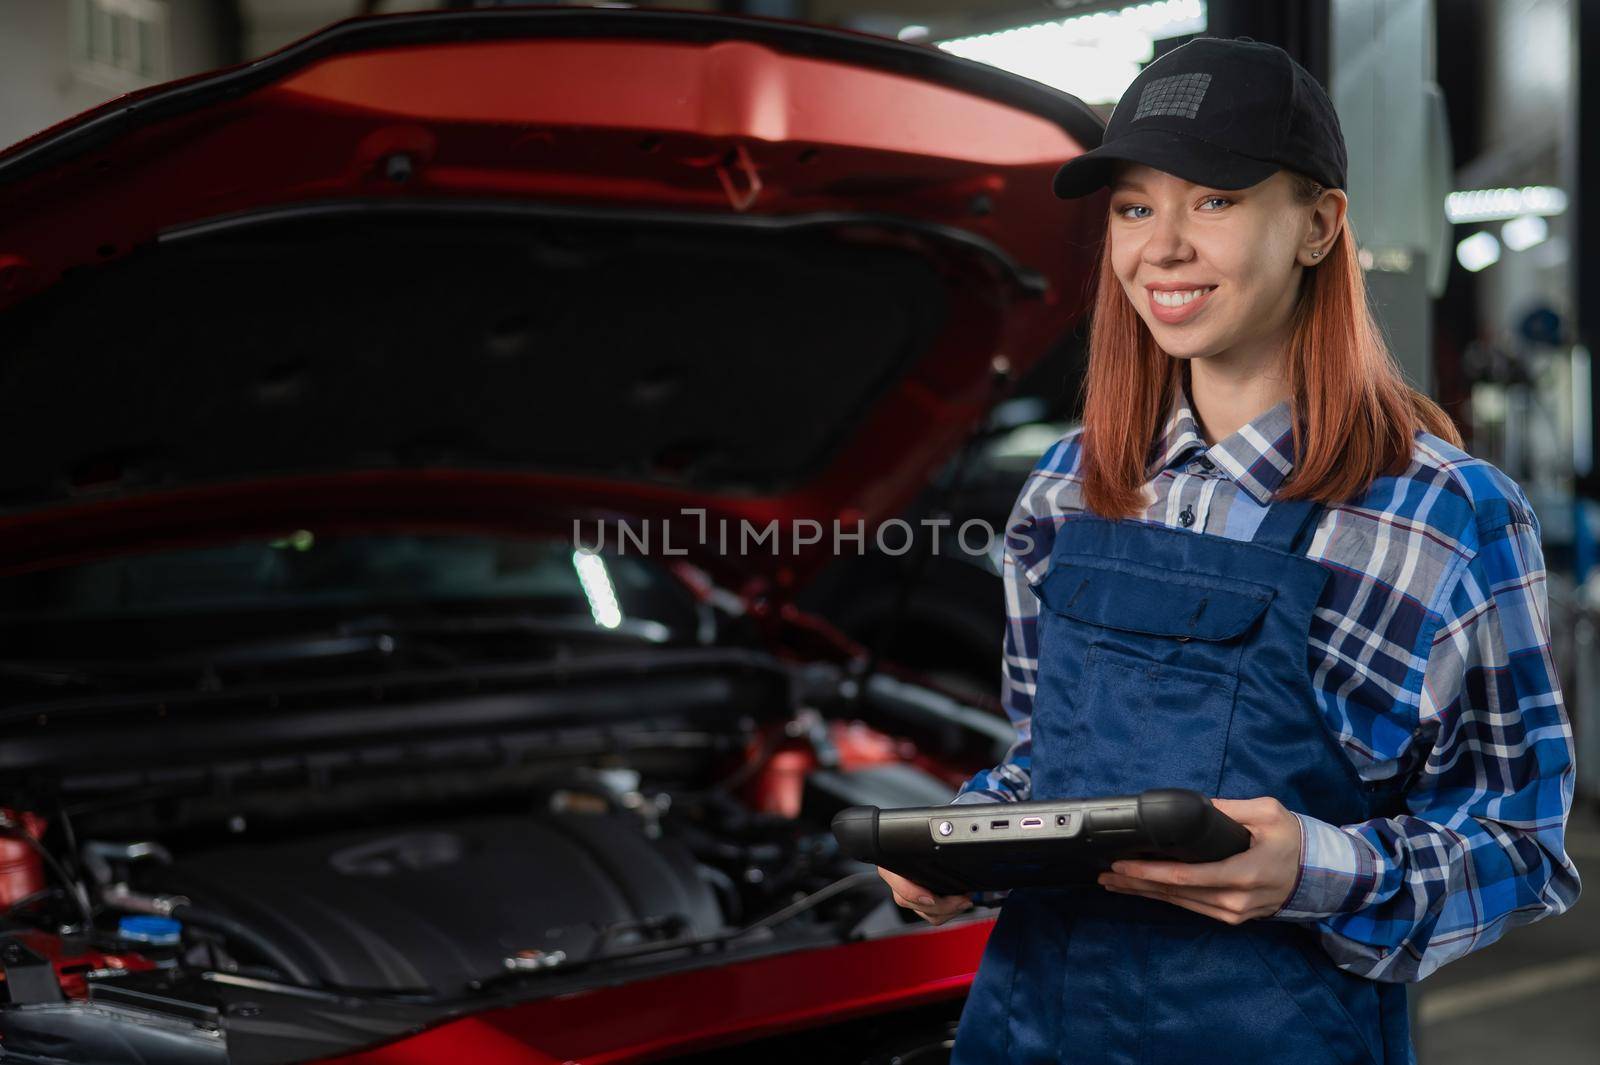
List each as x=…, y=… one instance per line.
x=1471, y=127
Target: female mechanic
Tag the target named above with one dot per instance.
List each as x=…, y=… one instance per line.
x=1263, y=569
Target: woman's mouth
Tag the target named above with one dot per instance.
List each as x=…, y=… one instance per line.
x=1177, y=306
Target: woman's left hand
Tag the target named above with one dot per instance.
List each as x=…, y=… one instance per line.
x=1253, y=883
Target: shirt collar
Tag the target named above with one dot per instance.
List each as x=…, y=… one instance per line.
x=1259, y=456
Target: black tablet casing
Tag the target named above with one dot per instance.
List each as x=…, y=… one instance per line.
x=960, y=848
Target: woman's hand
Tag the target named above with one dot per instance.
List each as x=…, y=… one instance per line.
x=935, y=909
x=1254, y=883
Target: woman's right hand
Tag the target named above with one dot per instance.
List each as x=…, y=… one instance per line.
x=935, y=909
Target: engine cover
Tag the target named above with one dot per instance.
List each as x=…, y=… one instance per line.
x=438, y=905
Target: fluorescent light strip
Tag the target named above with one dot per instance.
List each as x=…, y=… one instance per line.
x=598, y=589
x=1495, y=205
x=1094, y=57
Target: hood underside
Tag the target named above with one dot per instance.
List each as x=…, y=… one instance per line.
x=498, y=264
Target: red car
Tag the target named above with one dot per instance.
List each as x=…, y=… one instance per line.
x=323, y=736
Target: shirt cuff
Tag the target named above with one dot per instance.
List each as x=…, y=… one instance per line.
x=1337, y=873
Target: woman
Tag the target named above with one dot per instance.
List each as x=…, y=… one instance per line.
x=1266, y=570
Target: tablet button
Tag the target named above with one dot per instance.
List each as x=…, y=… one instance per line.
x=945, y=828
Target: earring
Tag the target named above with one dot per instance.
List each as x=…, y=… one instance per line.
x=1315, y=254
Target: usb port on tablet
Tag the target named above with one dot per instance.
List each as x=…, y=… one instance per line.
x=1032, y=822
x=999, y=824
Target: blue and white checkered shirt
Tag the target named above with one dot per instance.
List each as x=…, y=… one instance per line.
x=1431, y=643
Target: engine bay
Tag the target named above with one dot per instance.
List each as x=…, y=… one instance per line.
x=484, y=856
x=601, y=862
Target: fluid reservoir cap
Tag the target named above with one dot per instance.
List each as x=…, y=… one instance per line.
x=156, y=931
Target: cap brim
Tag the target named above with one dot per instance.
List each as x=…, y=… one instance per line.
x=1188, y=157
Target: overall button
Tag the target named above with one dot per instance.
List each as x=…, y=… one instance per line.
x=1186, y=516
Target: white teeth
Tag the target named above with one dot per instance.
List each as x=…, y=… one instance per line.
x=1178, y=299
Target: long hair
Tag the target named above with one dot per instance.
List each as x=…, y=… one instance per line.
x=1354, y=414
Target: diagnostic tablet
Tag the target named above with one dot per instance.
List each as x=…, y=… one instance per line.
x=960, y=848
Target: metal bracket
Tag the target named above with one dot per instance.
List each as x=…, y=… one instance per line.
x=29, y=977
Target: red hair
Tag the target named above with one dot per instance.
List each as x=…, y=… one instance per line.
x=1354, y=414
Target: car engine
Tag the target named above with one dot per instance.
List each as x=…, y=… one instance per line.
x=437, y=906
x=505, y=846
x=371, y=881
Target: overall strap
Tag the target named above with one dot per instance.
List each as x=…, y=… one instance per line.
x=1288, y=525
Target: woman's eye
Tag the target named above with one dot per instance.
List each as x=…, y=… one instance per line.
x=1216, y=199
x=1123, y=211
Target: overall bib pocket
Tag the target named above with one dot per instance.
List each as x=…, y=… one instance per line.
x=1169, y=724
x=1141, y=662
x=1147, y=600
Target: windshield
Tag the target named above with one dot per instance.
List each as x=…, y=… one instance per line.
x=275, y=602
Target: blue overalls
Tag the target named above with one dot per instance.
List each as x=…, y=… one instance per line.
x=1170, y=658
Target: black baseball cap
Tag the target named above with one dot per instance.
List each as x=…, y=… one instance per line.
x=1220, y=112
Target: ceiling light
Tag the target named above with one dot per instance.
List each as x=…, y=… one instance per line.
x=1493, y=205
x=1478, y=251
x=1524, y=231
x=1094, y=57
x=598, y=589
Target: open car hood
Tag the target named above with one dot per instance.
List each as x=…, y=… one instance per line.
x=508, y=268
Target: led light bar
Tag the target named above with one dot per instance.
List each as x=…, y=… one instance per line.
x=1094, y=57
x=1496, y=205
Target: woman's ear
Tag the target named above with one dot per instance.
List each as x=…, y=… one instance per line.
x=1327, y=218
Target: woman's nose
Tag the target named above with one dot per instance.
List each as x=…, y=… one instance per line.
x=1166, y=241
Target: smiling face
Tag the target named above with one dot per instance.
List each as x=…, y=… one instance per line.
x=1213, y=272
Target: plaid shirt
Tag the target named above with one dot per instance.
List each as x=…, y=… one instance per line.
x=1430, y=645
